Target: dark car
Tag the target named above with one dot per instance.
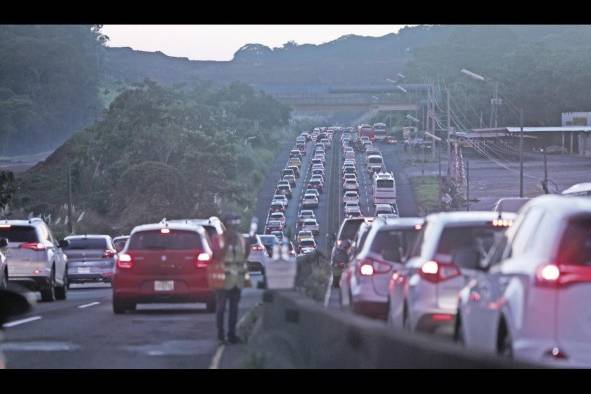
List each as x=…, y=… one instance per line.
x=164, y=262
x=91, y=258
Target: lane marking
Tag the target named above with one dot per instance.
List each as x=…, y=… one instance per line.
x=22, y=321
x=215, y=361
x=88, y=305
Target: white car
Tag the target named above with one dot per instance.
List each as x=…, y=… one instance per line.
x=258, y=256
x=280, y=216
x=382, y=209
x=351, y=185
x=530, y=299
x=310, y=201
x=350, y=177
x=304, y=234
x=351, y=207
x=282, y=198
x=423, y=295
x=35, y=258
x=351, y=197
x=310, y=225
x=312, y=191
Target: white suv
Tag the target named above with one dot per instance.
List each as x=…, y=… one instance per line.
x=35, y=259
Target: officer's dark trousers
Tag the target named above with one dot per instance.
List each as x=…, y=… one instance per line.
x=233, y=297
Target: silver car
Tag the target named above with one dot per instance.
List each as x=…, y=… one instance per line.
x=91, y=258
x=364, y=283
x=423, y=294
x=35, y=258
x=311, y=225
x=258, y=255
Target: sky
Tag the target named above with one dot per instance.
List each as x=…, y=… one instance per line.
x=220, y=42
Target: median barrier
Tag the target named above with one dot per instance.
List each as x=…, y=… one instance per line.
x=325, y=338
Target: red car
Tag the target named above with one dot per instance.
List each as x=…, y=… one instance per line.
x=164, y=262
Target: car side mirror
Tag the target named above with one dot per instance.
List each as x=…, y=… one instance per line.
x=63, y=243
x=3, y=243
x=12, y=304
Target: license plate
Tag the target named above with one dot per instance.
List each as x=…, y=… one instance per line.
x=164, y=285
x=84, y=270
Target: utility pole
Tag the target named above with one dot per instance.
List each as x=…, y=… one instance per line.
x=467, y=185
x=521, y=154
x=70, y=224
x=545, y=183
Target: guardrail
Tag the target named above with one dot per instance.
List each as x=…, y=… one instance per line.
x=300, y=333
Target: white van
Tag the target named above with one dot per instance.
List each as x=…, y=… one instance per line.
x=384, y=188
x=375, y=163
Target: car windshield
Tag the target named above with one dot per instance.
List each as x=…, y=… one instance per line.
x=174, y=240
x=385, y=183
x=21, y=234
x=87, y=243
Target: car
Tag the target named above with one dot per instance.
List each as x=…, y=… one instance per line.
x=291, y=179
x=350, y=206
x=308, y=243
x=350, y=184
x=305, y=214
x=294, y=162
x=364, y=283
x=281, y=198
x=579, y=189
x=350, y=177
x=510, y=204
x=303, y=234
x=390, y=140
x=295, y=153
x=3, y=264
x=295, y=170
x=277, y=206
x=258, y=256
x=423, y=296
x=287, y=171
x=317, y=177
x=318, y=161
x=317, y=167
x=119, y=242
x=381, y=209
x=214, y=228
x=312, y=191
x=375, y=163
x=311, y=225
x=528, y=299
x=280, y=216
x=284, y=188
x=91, y=258
x=310, y=201
x=278, y=234
x=351, y=197
x=349, y=170
x=315, y=184
x=163, y=262
x=354, y=212
x=273, y=225
x=36, y=260
x=317, y=171
x=268, y=241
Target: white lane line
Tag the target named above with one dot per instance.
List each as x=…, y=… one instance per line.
x=88, y=305
x=22, y=321
x=215, y=361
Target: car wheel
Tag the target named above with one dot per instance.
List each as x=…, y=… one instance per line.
x=61, y=292
x=48, y=293
x=458, y=331
x=505, y=343
x=120, y=306
x=405, y=319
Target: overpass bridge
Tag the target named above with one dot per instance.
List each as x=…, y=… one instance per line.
x=343, y=103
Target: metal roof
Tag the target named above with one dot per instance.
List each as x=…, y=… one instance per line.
x=586, y=129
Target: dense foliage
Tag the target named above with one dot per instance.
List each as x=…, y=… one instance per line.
x=163, y=152
x=49, y=78
x=542, y=69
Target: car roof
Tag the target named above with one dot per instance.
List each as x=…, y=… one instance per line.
x=380, y=205
x=90, y=236
x=579, y=187
x=400, y=222
x=22, y=222
x=467, y=217
x=171, y=225
x=564, y=205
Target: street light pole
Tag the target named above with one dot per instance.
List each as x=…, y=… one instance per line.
x=521, y=154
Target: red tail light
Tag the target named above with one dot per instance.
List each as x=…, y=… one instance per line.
x=109, y=253
x=435, y=272
x=561, y=275
x=370, y=266
x=36, y=246
x=125, y=261
x=202, y=260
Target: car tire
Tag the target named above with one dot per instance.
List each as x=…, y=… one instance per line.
x=4, y=280
x=405, y=319
x=505, y=342
x=61, y=292
x=211, y=305
x=458, y=331
x=120, y=306
x=48, y=293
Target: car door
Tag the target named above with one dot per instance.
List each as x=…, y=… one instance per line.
x=59, y=256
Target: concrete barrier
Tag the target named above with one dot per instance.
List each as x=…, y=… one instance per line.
x=326, y=338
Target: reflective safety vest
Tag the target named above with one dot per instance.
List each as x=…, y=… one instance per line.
x=235, y=266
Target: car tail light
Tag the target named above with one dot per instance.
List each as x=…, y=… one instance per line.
x=109, y=253
x=371, y=266
x=561, y=275
x=556, y=354
x=442, y=317
x=435, y=272
x=202, y=260
x=257, y=248
x=125, y=261
x=36, y=246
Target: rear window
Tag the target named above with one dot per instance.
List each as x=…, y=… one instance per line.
x=375, y=160
x=175, y=240
x=392, y=245
x=575, y=246
x=87, y=243
x=454, y=239
x=19, y=234
x=349, y=229
x=307, y=243
x=385, y=183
